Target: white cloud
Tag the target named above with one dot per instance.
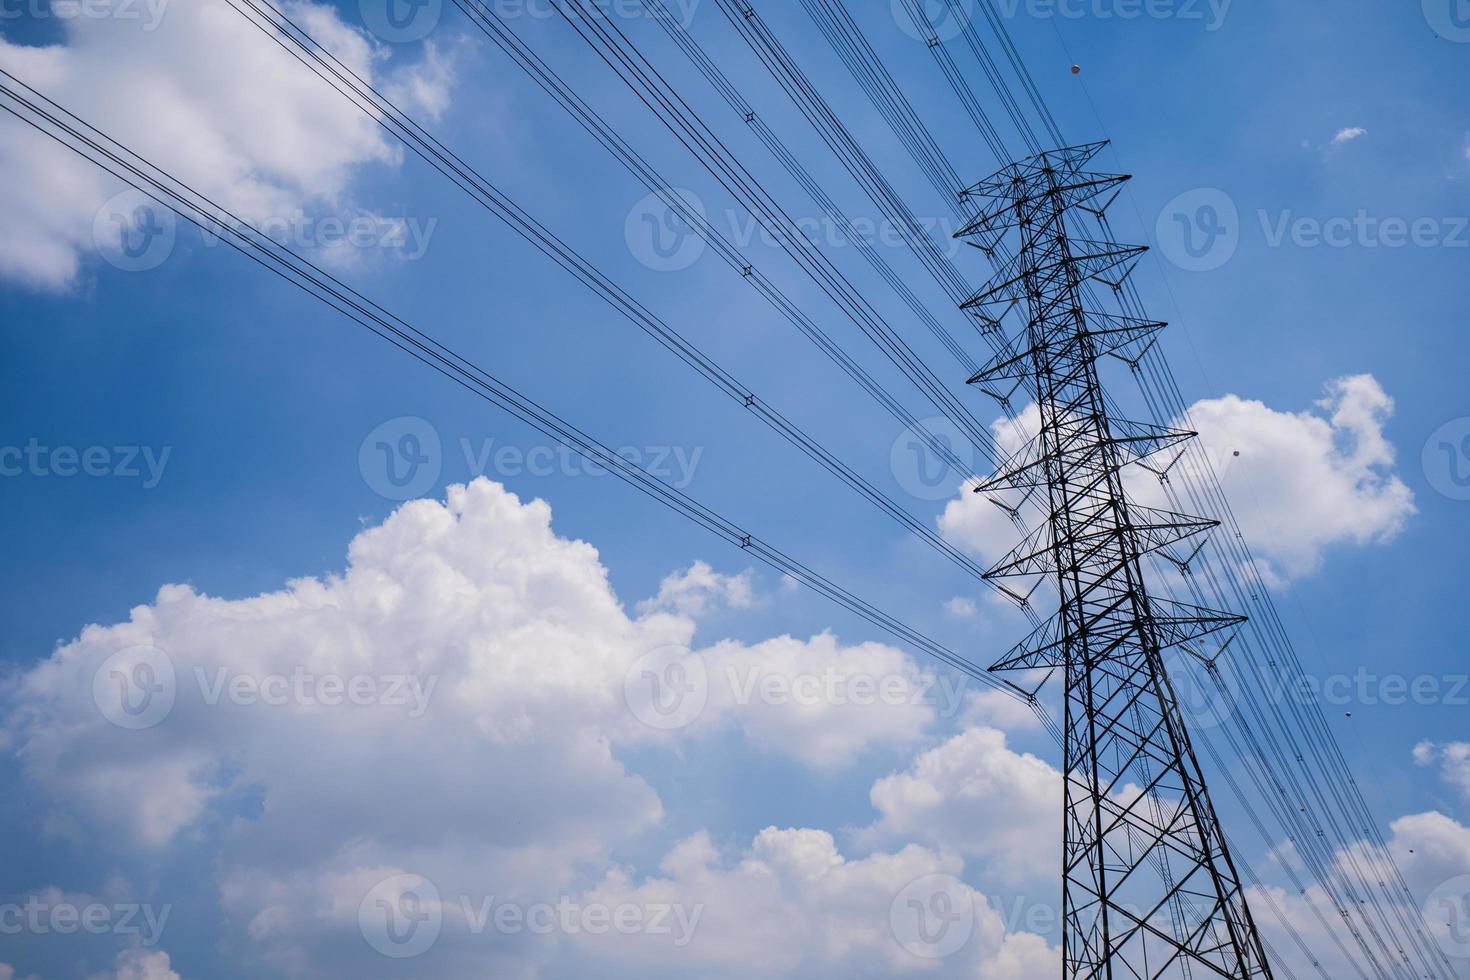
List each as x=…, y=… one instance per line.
x=961, y=607
x=975, y=794
x=507, y=777
x=793, y=905
x=820, y=702
x=142, y=964
x=997, y=709
x=1303, y=481
x=1431, y=850
x=693, y=591
x=502, y=777
x=975, y=521
x=211, y=99
x=1345, y=136
x=1454, y=760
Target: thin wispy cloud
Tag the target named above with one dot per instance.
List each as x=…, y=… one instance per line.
x=1346, y=136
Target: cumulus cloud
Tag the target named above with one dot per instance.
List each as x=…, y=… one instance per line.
x=961, y=607
x=1431, y=850
x=452, y=705
x=694, y=590
x=997, y=709
x=977, y=795
x=211, y=99
x=1303, y=482
x=1453, y=759
x=140, y=964
x=821, y=702
x=793, y=905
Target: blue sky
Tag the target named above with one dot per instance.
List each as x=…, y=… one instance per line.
x=251, y=417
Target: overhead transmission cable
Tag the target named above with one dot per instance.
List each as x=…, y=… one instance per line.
x=710, y=151
x=297, y=42
x=62, y=126
x=1160, y=379
x=899, y=121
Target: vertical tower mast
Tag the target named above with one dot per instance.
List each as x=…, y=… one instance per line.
x=1149, y=886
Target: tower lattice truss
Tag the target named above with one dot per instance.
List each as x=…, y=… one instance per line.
x=1149, y=886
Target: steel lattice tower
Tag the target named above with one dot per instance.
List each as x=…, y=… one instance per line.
x=1149, y=886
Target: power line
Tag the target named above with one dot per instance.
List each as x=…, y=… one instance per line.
x=358, y=91
x=841, y=33
x=59, y=124
x=670, y=109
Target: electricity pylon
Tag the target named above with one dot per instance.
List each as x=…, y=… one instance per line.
x=1149, y=886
